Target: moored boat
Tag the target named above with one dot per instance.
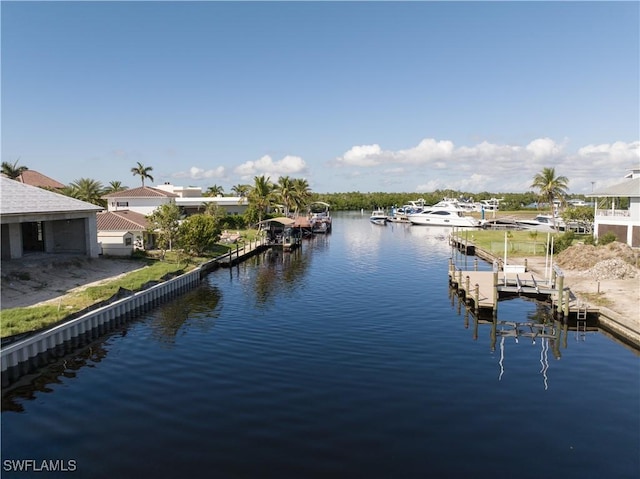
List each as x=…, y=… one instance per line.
x=378, y=217
x=319, y=218
x=443, y=213
x=546, y=223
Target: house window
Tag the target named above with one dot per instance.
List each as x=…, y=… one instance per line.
x=127, y=241
x=121, y=204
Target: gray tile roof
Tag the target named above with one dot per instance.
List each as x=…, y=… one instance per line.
x=626, y=189
x=18, y=198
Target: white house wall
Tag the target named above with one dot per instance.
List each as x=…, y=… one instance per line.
x=144, y=206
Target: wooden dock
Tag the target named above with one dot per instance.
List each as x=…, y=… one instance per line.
x=482, y=290
x=240, y=253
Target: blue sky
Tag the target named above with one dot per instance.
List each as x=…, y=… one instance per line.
x=352, y=96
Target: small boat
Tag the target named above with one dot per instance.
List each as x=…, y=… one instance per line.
x=378, y=217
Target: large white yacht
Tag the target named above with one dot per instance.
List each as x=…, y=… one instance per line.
x=444, y=213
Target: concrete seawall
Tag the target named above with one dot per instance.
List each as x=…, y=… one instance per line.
x=25, y=355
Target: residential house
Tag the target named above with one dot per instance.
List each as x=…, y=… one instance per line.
x=609, y=217
x=146, y=199
x=123, y=228
x=143, y=200
x=120, y=233
x=33, y=219
x=191, y=201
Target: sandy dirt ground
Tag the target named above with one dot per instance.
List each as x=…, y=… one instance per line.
x=622, y=296
x=38, y=278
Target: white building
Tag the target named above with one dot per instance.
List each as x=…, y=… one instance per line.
x=145, y=200
x=608, y=217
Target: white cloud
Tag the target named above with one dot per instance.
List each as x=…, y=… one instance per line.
x=618, y=153
x=492, y=167
x=364, y=155
x=544, y=148
x=428, y=150
x=196, y=173
x=287, y=166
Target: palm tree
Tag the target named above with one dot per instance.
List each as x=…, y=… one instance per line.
x=550, y=187
x=114, y=186
x=88, y=190
x=301, y=193
x=241, y=190
x=14, y=171
x=214, y=190
x=285, y=192
x=143, y=171
x=261, y=195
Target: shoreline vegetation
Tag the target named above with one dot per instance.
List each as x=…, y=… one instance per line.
x=154, y=269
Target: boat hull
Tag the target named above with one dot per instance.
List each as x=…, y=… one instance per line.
x=437, y=220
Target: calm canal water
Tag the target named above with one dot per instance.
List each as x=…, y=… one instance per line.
x=346, y=359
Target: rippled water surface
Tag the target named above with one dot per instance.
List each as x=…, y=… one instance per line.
x=346, y=359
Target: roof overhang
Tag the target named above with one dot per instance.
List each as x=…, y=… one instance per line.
x=282, y=220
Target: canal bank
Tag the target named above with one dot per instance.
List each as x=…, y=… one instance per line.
x=26, y=352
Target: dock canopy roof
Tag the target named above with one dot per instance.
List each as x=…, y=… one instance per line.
x=282, y=220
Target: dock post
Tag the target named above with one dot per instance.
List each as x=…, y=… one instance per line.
x=560, y=294
x=526, y=263
x=477, y=305
x=466, y=246
x=566, y=305
x=495, y=294
x=475, y=264
x=466, y=289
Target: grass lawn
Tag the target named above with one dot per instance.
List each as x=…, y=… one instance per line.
x=519, y=243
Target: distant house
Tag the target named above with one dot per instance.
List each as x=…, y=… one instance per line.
x=34, y=178
x=120, y=233
x=33, y=219
x=143, y=200
x=609, y=218
x=146, y=199
x=191, y=201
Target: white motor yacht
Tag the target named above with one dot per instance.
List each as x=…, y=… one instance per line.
x=544, y=223
x=443, y=213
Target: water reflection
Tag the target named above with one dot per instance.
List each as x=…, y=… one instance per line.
x=277, y=271
x=29, y=387
x=198, y=307
x=539, y=327
x=195, y=309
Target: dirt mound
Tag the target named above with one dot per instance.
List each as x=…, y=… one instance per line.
x=613, y=261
